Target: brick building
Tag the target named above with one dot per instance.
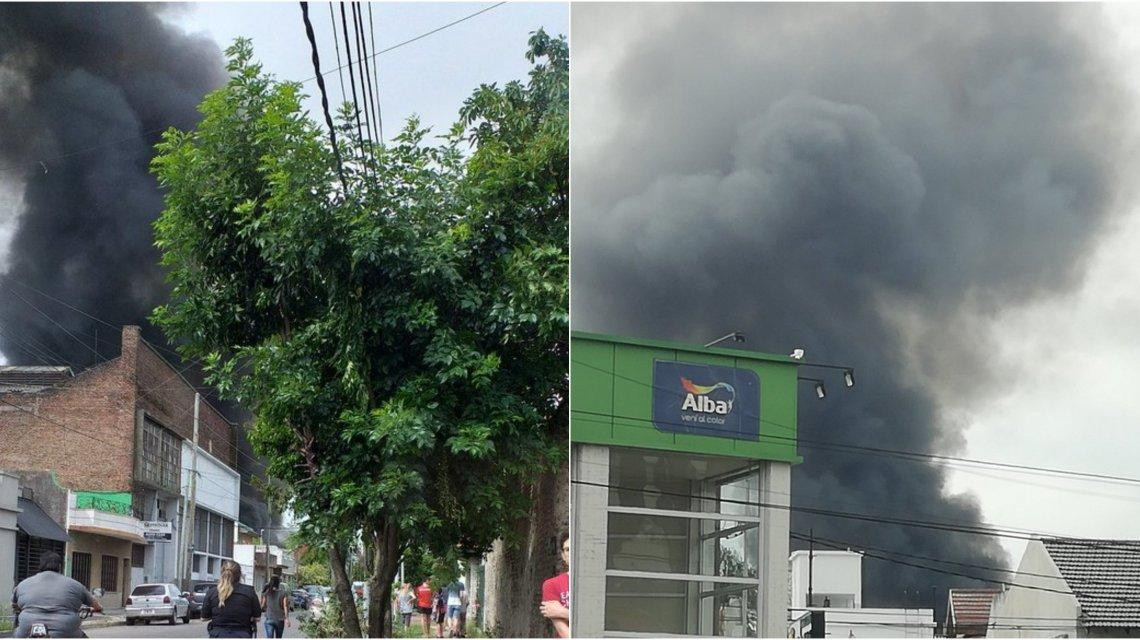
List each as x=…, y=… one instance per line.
x=118, y=438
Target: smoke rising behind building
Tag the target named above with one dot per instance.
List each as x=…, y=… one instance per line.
x=870, y=183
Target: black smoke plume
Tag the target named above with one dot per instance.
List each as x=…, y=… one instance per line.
x=85, y=91
x=868, y=182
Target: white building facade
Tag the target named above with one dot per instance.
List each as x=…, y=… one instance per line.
x=217, y=499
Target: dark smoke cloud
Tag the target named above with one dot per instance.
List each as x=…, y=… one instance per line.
x=844, y=179
x=87, y=88
x=93, y=83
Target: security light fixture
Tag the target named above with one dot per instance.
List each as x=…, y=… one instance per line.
x=849, y=378
x=820, y=391
x=797, y=354
x=735, y=336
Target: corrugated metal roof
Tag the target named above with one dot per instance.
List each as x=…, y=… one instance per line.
x=971, y=607
x=1104, y=576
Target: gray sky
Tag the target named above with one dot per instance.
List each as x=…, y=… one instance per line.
x=935, y=194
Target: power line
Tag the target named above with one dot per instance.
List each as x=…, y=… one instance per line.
x=45, y=161
x=868, y=449
x=800, y=536
x=336, y=46
x=61, y=327
x=421, y=36
x=376, y=61
x=352, y=81
x=365, y=78
x=980, y=530
x=324, y=93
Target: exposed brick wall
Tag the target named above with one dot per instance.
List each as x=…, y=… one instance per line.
x=169, y=400
x=102, y=402
x=99, y=403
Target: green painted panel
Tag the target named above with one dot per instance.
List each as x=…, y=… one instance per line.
x=107, y=501
x=591, y=377
x=628, y=391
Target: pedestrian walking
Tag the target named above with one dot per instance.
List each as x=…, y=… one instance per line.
x=556, y=595
x=456, y=593
x=439, y=610
x=275, y=604
x=405, y=603
x=231, y=607
x=423, y=603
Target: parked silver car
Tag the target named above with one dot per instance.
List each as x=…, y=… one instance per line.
x=158, y=601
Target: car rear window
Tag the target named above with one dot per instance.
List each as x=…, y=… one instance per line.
x=202, y=588
x=149, y=590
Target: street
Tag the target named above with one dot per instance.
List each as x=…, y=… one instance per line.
x=196, y=629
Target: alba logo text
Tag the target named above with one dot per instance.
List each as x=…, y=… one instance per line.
x=697, y=398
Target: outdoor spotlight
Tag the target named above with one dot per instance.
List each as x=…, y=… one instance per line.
x=820, y=392
x=797, y=354
x=849, y=378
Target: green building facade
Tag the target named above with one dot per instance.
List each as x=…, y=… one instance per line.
x=681, y=473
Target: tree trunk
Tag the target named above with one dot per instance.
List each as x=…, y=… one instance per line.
x=385, y=563
x=343, y=588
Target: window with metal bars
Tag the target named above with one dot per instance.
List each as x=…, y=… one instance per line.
x=29, y=550
x=81, y=568
x=138, y=555
x=109, y=576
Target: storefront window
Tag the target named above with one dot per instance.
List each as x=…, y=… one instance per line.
x=683, y=544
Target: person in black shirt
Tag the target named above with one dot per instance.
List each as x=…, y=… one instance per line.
x=231, y=607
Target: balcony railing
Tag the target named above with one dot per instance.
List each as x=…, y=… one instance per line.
x=86, y=501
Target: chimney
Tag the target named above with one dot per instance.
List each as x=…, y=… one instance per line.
x=128, y=355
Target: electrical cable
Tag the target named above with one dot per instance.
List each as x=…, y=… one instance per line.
x=336, y=46
x=45, y=161
x=324, y=93
x=980, y=530
x=874, y=450
x=98, y=357
x=352, y=83
x=376, y=63
x=362, y=69
x=369, y=94
x=800, y=536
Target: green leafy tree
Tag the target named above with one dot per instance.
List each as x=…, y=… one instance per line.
x=398, y=324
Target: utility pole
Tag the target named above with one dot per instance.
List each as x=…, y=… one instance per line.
x=811, y=561
x=191, y=505
x=264, y=541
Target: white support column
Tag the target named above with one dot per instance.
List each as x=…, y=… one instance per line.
x=591, y=464
x=775, y=529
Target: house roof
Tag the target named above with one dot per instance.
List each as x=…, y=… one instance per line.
x=1104, y=576
x=971, y=607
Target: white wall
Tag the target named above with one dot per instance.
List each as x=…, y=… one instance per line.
x=775, y=489
x=1017, y=609
x=218, y=488
x=834, y=572
x=9, y=508
x=880, y=623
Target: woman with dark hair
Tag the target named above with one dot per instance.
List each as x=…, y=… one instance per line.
x=275, y=604
x=231, y=607
x=51, y=599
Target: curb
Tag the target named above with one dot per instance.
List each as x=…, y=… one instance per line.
x=102, y=622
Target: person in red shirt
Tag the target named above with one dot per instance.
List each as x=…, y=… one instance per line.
x=556, y=595
x=423, y=604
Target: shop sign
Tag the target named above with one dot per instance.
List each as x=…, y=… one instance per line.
x=158, y=531
x=706, y=399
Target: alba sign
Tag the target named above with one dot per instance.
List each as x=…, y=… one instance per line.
x=706, y=399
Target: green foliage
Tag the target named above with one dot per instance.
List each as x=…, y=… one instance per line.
x=328, y=624
x=402, y=335
x=314, y=573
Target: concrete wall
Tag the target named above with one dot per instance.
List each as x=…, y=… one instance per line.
x=1017, y=609
x=99, y=546
x=833, y=572
x=588, y=464
x=218, y=487
x=880, y=623
x=775, y=489
x=9, y=509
